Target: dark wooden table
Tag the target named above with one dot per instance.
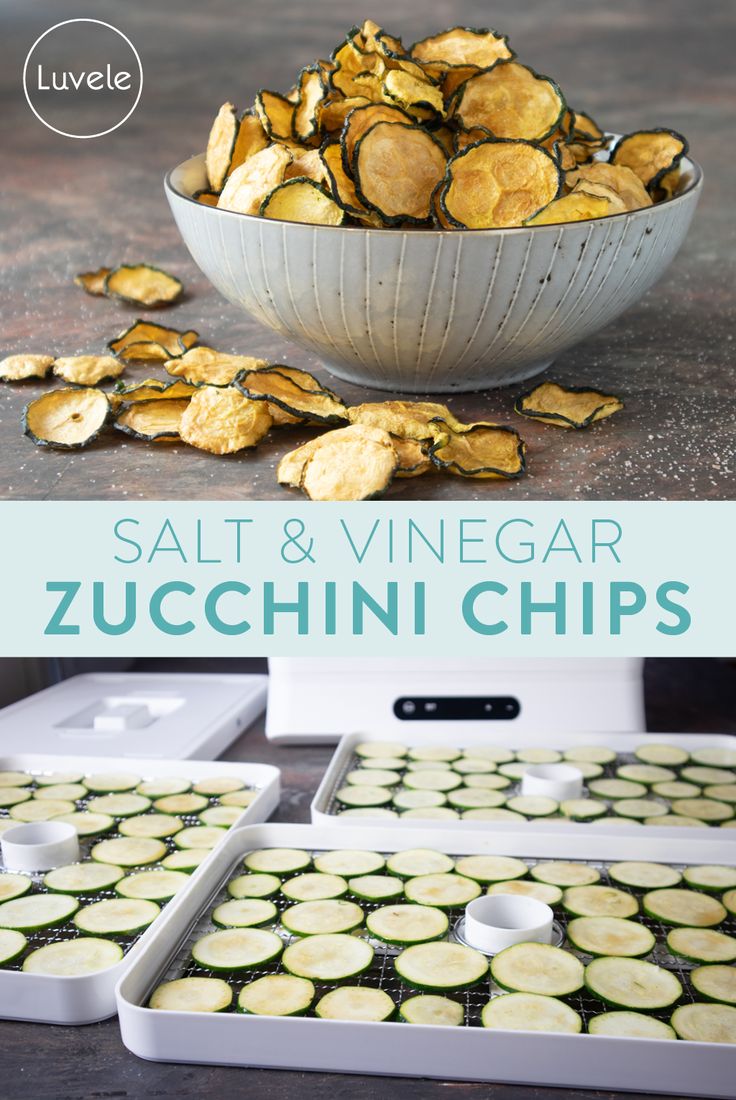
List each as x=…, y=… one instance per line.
x=90, y=1063
x=69, y=206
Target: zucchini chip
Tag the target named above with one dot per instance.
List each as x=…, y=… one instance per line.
x=586, y=129
x=668, y=185
x=306, y=162
x=304, y=201
x=464, y=138
x=206, y=367
x=221, y=145
x=93, y=282
x=354, y=468
x=142, y=285
x=18, y=368
x=88, y=370
x=397, y=167
x=291, y=467
x=512, y=101
x=418, y=98
x=145, y=340
x=340, y=183
x=566, y=407
x=360, y=121
x=153, y=420
x=593, y=188
x=413, y=457
x=150, y=389
x=481, y=451
x=334, y=110
x=276, y=114
x=461, y=46
x=651, y=154
x=498, y=183
x=423, y=421
x=578, y=206
x=222, y=421
x=67, y=418
x=305, y=116
x=295, y=392
x=249, y=184
x=251, y=138
x=206, y=198
x=620, y=179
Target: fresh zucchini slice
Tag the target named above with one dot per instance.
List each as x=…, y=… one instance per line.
x=538, y=755
x=153, y=825
x=435, y=753
x=329, y=917
x=244, y=913
x=363, y=796
x=277, y=995
x=632, y=983
x=407, y=924
x=116, y=916
x=474, y=798
x=70, y=791
x=346, y=862
x=152, y=885
x=704, y=945
x=616, y=788
x=277, y=861
x=714, y=757
x=710, y=877
x=674, y=821
x=630, y=1025
x=563, y=873
x=142, y=284
x=441, y=779
x=704, y=809
x=405, y=799
x=185, y=860
x=72, y=958
x=242, y=799
x=684, y=907
x=221, y=816
x=729, y=901
x=254, y=886
x=610, y=936
x=186, y=803
x=428, y=765
x=441, y=966
x=237, y=949
x=129, y=851
x=706, y=776
x=428, y=1008
x=419, y=861
x=645, y=773
x=550, y=895
x=489, y=782
x=41, y=810
x=111, y=782
x=376, y=887
x=328, y=958
x=447, y=891
x=515, y=770
x=715, y=983
x=496, y=753
x=161, y=786
x=13, y=885
x=383, y=763
x=589, y=754
x=368, y=811
x=432, y=813
x=537, y=968
x=15, y=779
x=11, y=796
x=355, y=1002
x=492, y=815
x=644, y=876
x=705, y=1023
x=367, y=777
x=88, y=824
x=640, y=808
x=675, y=788
x=530, y=1012
x=34, y=911
x=599, y=901
x=199, y=836
x=192, y=995
x=314, y=886
x=82, y=878
x=119, y=805
x=667, y=755
x=469, y=766
x=12, y=945
x=533, y=805
x=588, y=770
x=215, y=785
x=583, y=809
x=487, y=869
x=381, y=748
x=721, y=792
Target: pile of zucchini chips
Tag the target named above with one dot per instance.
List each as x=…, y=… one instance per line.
x=658, y=784
x=141, y=839
x=453, y=132
x=356, y=935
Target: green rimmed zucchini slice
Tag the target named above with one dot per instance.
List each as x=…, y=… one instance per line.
x=164, y=785
x=355, y=1002
x=478, y=193
x=721, y=792
x=610, y=936
x=614, y=789
x=414, y=862
x=512, y=101
x=715, y=983
x=192, y=995
x=304, y=201
x=650, y=154
x=644, y=876
x=185, y=860
x=82, y=878
x=706, y=775
x=405, y=799
x=630, y=1025
x=446, y=891
x=243, y=799
x=432, y=813
x=583, y=809
x=73, y=958
x=729, y=900
x=254, y=886
x=640, y=808
x=703, y=945
x=497, y=754
x=363, y=796
x=328, y=957
x=674, y=821
x=383, y=763
x=684, y=907
x=40, y=810
x=153, y=825
x=705, y=1023
x=277, y=861
x=222, y=817
x=645, y=773
x=675, y=788
x=535, y=754
x=533, y=805
x=152, y=421
x=599, y=901
x=152, y=885
x=119, y=805
x=632, y=983
x=431, y=779
x=537, y=968
x=19, y=368
x=244, y=913
x=469, y=766
x=714, y=757
x=477, y=47
x=15, y=779
x=295, y=392
x=530, y=1012
x=321, y=918
x=441, y=966
x=314, y=886
x=376, y=777
x=396, y=167
x=143, y=285
x=145, y=340
x=670, y=756
x=428, y=765
x=566, y=406
x=514, y=770
x=88, y=824
x=473, y=798
x=277, y=995
x=204, y=366
x=221, y=146
x=187, y=803
x=481, y=451
x=13, y=885
x=703, y=809
x=35, y=911
x=368, y=749
x=564, y=873
x=428, y=1008
x=129, y=851
x=237, y=949
x=492, y=815
x=88, y=370
x=93, y=282
x=71, y=791
x=488, y=782
x=66, y=418
x=407, y=924
x=376, y=887
x=111, y=782
x=116, y=916
x=12, y=945
x=550, y=895
x=199, y=836
x=710, y=877
x=488, y=869
x=589, y=754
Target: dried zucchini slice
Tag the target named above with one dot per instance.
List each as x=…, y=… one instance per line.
x=460, y=46
x=413, y=457
x=397, y=167
x=481, y=451
x=585, y=128
x=67, y=418
x=291, y=467
x=17, y=368
x=88, y=370
x=360, y=121
x=349, y=469
x=150, y=389
x=302, y=200
x=205, y=366
x=305, y=163
x=305, y=116
x=464, y=138
x=295, y=392
x=146, y=340
x=335, y=109
x=578, y=206
x=617, y=177
x=206, y=198
x=220, y=145
x=251, y=138
x=93, y=282
x=340, y=183
x=512, y=101
x=566, y=407
x=418, y=97
x=248, y=185
x=651, y=154
x=594, y=189
x=223, y=421
x=152, y=420
x=143, y=285
x=421, y=421
x=276, y=114
x=497, y=183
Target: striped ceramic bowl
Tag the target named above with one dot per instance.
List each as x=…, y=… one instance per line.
x=424, y=310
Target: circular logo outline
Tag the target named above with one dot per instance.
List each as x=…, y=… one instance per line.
x=101, y=133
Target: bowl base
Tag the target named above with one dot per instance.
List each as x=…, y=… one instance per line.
x=496, y=379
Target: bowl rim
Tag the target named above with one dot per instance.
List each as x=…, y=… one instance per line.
x=687, y=162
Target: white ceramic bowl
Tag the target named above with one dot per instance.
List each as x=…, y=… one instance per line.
x=425, y=310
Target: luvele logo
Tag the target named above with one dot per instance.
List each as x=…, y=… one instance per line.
x=83, y=78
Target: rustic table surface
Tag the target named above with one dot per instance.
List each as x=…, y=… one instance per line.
x=90, y=1063
x=69, y=206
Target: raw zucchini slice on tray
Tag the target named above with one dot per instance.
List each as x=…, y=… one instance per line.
x=244, y=913
x=256, y=885
x=328, y=917
x=441, y=966
x=666, y=755
x=419, y=861
x=562, y=873
x=363, y=796
x=188, y=859
x=314, y=886
x=376, y=887
x=199, y=836
x=215, y=785
x=153, y=825
x=151, y=885
x=127, y=851
x=72, y=958
x=41, y=810
x=705, y=1023
x=348, y=862
x=407, y=924
x=328, y=958
x=119, y=805
x=11, y=796
x=530, y=1012
x=610, y=936
x=192, y=995
x=377, y=777
x=542, y=891
x=34, y=911
x=486, y=869
x=380, y=748
x=82, y=878
x=355, y=1002
x=583, y=809
x=277, y=861
x=705, y=945
x=632, y=983
x=715, y=983
x=443, y=779
x=684, y=907
x=13, y=885
x=710, y=877
x=632, y=1025
x=277, y=995
x=405, y=799
x=599, y=901
x=537, y=968
x=447, y=891
x=644, y=876
x=237, y=949
x=533, y=805
x=12, y=945
x=88, y=824
x=112, y=782
x=429, y=1008
x=117, y=916
x=163, y=785
x=185, y=803
x=589, y=754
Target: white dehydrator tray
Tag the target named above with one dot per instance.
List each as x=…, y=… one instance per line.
x=325, y=810
x=466, y=1052
x=87, y=998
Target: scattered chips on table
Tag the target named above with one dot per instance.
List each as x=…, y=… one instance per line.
x=152, y=420
x=150, y=389
x=481, y=451
x=93, y=282
x=139, y=284
x=356, y=466
x=295, y=392
x=145, y=340
x=66, y=418
x=88, y=370
x=19, y=368
x=570, y=407
x=203, y=366
x=222, y=421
